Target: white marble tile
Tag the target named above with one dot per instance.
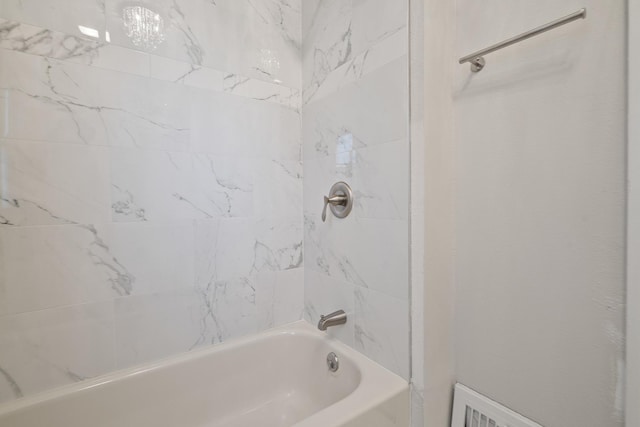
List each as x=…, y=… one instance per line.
x=246, y=247
x=53, y=184
x=206, y=250
x=387, y=50
x=150, y=327
x=310, y=9
x=248, y=274
x=324, y=295
x=176, y=144
x=147, y=113
x=80, y=104
x=198, y=32
x=261, y=91
x=98, y=53
x=369, y=253
x=288, y=298
x=285, y=18
x=66, y=16
x=49, y=348
x=335, y=32
x=220, y=81
x=186, y=73
x=81, y=49
x=228, y=309
x=327, y=40
x=375, y=20
x=381, y=180
x=224, y=124
x=265, y=296
x=280, y=297
x=156, y=185
x=34, y=88
x=378, y=176
x=224, y=249
x=374, y=110
x=278, y=244
x=26, y=38
x=355, y=128
x=160, y=256
x=382, y=329
x=278, y=188
x=44, y=267
x=116, y=58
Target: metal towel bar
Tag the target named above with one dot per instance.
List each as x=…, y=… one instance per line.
x=477, y=58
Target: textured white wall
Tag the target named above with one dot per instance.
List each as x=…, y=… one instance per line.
x=438, y=158
x=417, y=206
x=540, y=207
x=633, y=255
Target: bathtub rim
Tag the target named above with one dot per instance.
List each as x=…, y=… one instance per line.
x=377, y=384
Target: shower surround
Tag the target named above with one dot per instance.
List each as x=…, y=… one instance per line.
x=355, y=128
x=152, y=202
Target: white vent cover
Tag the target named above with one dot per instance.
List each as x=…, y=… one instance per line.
x=471, y=409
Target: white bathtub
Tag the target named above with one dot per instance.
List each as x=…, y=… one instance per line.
x=278, y=378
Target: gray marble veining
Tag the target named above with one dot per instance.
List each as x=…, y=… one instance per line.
x=121, y=280
x=13, y=385
x=52, y=44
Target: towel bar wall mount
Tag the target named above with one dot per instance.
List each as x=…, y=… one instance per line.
x=477, y=60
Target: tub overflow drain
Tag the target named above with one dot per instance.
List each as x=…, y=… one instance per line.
x=333, y=362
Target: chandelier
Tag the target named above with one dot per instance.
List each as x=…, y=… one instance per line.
x=143, y=26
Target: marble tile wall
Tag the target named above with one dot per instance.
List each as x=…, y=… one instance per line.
x=355, y=128
x=150, y=201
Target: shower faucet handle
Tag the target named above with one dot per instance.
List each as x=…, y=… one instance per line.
x=339, y=200
x=333, y=201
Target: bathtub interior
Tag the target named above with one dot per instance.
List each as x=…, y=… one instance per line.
x=272, y=381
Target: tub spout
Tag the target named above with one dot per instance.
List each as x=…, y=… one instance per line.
x=336, y=318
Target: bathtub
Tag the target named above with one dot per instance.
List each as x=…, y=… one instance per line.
x=279, y=378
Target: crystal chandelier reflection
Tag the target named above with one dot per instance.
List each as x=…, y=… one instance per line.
x=270, y=63
x=143, y=26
